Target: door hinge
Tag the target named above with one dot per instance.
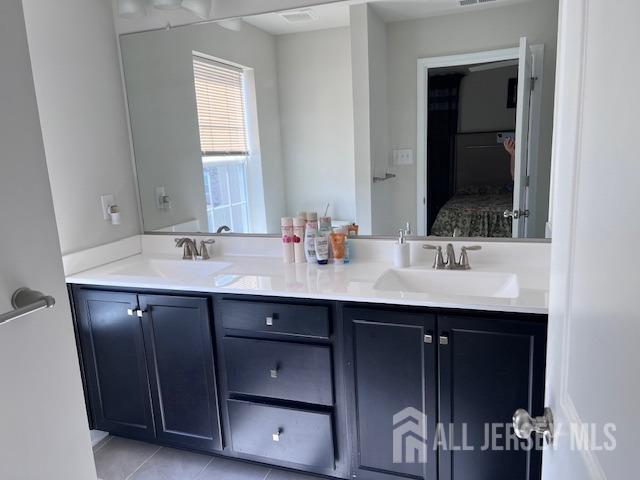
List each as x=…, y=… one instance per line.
x=533, y=83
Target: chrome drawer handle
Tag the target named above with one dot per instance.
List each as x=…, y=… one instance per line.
x=274, y=372
x=276, y=436
x=135, y=312
x=131, y=312
x=269, y=321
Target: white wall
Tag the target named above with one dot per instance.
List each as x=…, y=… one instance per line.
x=80, y=97
x=455, y=34
x=483, y=101
x=316, y=112
x=43, y=423
x=159, y=76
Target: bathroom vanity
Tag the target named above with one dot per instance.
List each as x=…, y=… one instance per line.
x=320, y=379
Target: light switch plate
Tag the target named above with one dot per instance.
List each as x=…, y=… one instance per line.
x=106, y=201
x=403, y=156
x=160, y=192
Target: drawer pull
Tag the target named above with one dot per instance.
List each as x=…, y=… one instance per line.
x=273, y=372
x=131, y=312
x=269, y=321
x=276, y=436
x=444, y=340
x=135, y=312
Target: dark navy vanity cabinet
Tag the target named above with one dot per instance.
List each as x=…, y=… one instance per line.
x=149, y=366
x=338, y=389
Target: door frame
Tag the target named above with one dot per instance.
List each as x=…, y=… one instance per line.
x=424, y=64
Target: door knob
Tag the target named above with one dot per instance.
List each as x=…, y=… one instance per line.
x=516, y=213
x=524, y=424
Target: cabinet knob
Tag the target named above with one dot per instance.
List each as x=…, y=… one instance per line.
x=444, y=340
x=131, y=312
x=140, y=313
x=135, y=312
x=276, y=436
x=269, y=321
x=274, y=372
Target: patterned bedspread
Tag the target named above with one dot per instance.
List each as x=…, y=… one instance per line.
x=475, y=215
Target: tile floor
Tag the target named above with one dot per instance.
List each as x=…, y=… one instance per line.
x=122, y=459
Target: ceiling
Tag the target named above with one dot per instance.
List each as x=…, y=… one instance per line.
x=335, y=15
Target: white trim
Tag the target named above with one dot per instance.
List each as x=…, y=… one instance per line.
x=535, y=115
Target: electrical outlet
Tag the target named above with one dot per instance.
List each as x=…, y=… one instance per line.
x=403, y=156
x=106, y=201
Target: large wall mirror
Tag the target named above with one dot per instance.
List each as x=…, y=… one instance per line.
x=436, y=113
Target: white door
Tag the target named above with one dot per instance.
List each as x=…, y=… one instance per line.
x=593, y=385
x=525, y=68
x=43, y=424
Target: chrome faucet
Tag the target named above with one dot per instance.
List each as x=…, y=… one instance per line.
x=190, y=248
x=223, y=228
x=449, y=262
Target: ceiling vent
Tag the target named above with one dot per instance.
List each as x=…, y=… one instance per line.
x=298, y=16
x=466, y=3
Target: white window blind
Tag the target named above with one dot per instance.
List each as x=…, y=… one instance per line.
x=221, y=109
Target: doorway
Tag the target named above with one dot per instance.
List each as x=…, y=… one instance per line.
x=467, y=183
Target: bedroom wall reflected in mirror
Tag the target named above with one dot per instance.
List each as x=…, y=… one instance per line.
x=238, y=123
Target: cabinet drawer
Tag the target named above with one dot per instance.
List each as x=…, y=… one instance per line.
x=277, y=318
x=289, y=435
x=282, y=370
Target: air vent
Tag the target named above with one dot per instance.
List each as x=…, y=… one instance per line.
x=466, y=3
x=298, y=16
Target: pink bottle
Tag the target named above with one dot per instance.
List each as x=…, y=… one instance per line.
x=286, y=225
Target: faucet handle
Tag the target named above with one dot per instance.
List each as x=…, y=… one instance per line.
x=204, y=253
x=464, y=258
x=438, y=261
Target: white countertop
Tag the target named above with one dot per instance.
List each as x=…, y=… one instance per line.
x=269, y=276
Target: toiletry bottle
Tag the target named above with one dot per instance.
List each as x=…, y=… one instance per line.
x=347, y=245
x=310, y=232
x=324, y=228
x=401, y=251
x=337, y=238
x=298, y=239
x=322, y=248
x=286, y=225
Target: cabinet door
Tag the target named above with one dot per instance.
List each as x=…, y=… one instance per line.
x=115, y=364
x=180, y=356
x=488, y=369
x=392, y=376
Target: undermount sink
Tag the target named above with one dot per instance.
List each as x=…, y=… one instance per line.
x=152, y=267
x=450, y=282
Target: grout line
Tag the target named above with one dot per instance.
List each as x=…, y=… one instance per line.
x=203, y=469
x=150, y=457
x=102, y=444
